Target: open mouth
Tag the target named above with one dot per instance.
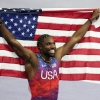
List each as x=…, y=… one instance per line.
x=52, y=51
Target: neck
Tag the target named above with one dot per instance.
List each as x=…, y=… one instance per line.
x=48, y=61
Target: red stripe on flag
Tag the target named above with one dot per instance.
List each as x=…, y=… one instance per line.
x=80, y=64
x=12, y=73
x=11, y=60
x=75, y=76
x=65, y=39
x=69, y=14
x=64, y=27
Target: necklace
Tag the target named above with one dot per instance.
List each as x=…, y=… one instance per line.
x=48, y=61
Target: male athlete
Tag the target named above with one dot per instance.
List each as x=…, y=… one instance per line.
x=43, y=68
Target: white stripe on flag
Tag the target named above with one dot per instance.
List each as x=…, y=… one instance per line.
x=61, y=20
x=79, y=70
x=16, y=67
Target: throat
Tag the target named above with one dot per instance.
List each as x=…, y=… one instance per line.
x=47, y=61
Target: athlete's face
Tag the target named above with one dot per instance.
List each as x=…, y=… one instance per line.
x=48, y=46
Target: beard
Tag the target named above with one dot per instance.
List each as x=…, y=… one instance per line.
x=49, y=54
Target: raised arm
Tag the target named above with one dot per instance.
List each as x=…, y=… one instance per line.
x=76, y=37
x=17, y=47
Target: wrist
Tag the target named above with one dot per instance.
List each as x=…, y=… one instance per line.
x=90, y=21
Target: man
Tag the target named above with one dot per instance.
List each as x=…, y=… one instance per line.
x=43, y=69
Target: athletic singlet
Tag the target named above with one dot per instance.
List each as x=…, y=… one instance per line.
x=44, y=85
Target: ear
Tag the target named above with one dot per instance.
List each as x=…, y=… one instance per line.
x=40, y=47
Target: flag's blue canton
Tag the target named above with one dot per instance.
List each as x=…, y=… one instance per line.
x=21, y=25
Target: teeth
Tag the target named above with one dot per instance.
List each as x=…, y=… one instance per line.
x=52, y=51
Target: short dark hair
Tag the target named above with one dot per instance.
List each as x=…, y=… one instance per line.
x=41, y=38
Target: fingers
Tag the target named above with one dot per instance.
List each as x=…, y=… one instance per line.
x=98, y=13
x=99, y=10
x=95, y=14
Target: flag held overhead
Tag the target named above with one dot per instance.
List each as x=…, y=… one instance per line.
x=82, y=63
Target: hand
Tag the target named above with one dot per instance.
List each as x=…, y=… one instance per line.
x=95, y=14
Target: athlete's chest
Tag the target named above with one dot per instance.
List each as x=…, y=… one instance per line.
x=48, y=71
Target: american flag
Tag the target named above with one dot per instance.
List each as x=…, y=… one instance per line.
x=82, y=62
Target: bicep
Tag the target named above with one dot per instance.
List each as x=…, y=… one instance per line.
x=20, y=50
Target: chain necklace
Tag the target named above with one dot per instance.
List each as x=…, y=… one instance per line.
x=48, y=61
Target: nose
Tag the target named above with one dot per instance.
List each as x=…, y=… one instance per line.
x=53, y=45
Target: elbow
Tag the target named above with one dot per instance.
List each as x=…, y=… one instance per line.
x=76, y=39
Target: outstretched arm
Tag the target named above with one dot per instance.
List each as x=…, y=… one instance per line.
x=27, y=55
x=76, y=37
